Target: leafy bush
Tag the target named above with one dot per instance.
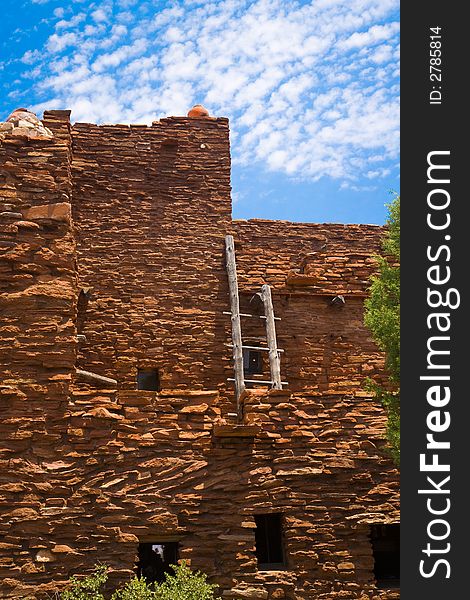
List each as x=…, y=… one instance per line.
x=185, y=585
x=87, y=588
x=135, y=589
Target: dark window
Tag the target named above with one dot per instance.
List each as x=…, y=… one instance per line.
x=252, y=362
x=386, y=549
x=155, y=559
x=268, y=539
x=148, y=379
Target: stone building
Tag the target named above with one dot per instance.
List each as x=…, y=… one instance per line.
x=121, y=438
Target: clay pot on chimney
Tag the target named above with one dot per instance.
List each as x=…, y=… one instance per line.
x=198, y=111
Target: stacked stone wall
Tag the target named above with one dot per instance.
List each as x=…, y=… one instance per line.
x=38, y=291
x=326, y=345
x=152, y=206
x=140, y=466
x=88, y=473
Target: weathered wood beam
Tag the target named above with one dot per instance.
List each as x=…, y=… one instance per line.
x=94, y=378
x=236, y=325
x=258, y=381
x=274, y=361
x=252, y=316
x=256, y=348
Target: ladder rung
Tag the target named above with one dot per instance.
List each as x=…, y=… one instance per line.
x=226, y=312
x=255, y=348
x=257, y=381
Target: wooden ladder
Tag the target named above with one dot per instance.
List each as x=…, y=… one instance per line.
x=237, y=343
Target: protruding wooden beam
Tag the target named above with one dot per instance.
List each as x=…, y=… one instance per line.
x=274, y=361
x=236, y=325
x=94, y=378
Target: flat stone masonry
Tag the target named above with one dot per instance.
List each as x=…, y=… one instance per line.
x=112, y=260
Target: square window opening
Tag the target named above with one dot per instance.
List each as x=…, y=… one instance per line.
x=385, y=541
x=269, y=542
x=155, y=559
x=148, y=379
x=252, y=362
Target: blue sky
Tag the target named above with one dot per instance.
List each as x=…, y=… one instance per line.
x=311, y=88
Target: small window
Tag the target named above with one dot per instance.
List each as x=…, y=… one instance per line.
x=155, y=559
x=385, y=541
x=268, y=540
x=252, y=362
x=148, y=379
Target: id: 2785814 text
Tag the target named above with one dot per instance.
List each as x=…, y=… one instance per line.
x=435, y=65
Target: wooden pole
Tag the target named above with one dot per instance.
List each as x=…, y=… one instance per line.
x=274, y=361
x=94, y=378
x=236, y=325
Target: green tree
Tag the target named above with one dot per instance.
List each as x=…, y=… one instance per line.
x=382, y=317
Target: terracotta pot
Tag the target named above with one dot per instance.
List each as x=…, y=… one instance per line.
x=198, y=111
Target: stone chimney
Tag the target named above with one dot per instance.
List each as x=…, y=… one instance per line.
x=24, y=123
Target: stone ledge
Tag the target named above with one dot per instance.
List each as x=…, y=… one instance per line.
x=237, y=431
x=60, y=211
x=248, y=593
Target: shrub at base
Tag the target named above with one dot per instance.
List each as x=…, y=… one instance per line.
x=87, y=588
x=183, y=585
x=135, y=589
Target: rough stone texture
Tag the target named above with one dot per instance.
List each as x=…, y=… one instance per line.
x=326, y=346
x=24, y=124
x=328, y=259
x=153, y=204
x=38, y=283
x=87, y=473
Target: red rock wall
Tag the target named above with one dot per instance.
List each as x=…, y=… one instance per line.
x=37, y=336
x=327, y=348
x=326, y=259
x=141, y=466
x=152, y=205
x=88, y=473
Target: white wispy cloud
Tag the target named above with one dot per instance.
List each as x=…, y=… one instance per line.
x=58, y=42
x=99, y=15
x=377, y=33
x=311, y=88
x=73, y=22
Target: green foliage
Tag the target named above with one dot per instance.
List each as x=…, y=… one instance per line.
x=135, y=589
x=391, y=244
x=391, y=402
x=87, y=588
x=382, y=317
x=185, y=585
